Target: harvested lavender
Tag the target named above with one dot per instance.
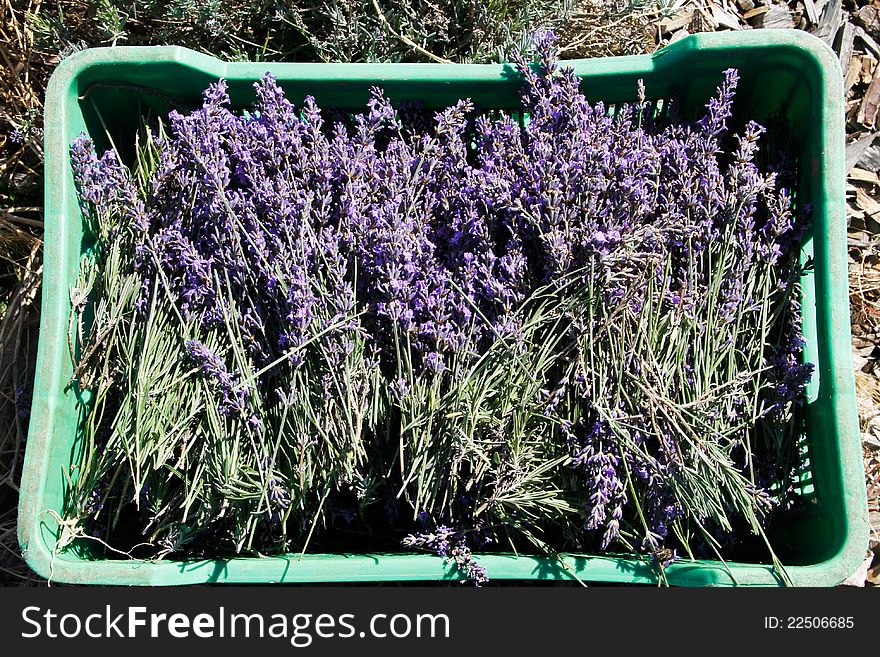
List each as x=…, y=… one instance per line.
x=577, y=333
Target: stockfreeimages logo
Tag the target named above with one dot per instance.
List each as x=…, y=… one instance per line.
x=299, y=629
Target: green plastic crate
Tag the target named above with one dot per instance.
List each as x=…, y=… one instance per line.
x=105, y=91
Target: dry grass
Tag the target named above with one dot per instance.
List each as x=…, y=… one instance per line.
x=22, y=79
x=864, y=293
x=602, y=28
x=22, y=253
x=18, y=343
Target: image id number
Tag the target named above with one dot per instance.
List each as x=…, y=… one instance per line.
x=808, y=622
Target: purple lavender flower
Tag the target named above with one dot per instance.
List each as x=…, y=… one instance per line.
x=234, y=398
x=446, y=542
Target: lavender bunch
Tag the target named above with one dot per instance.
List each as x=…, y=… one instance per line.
x=577, y=332
x=661, y=384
